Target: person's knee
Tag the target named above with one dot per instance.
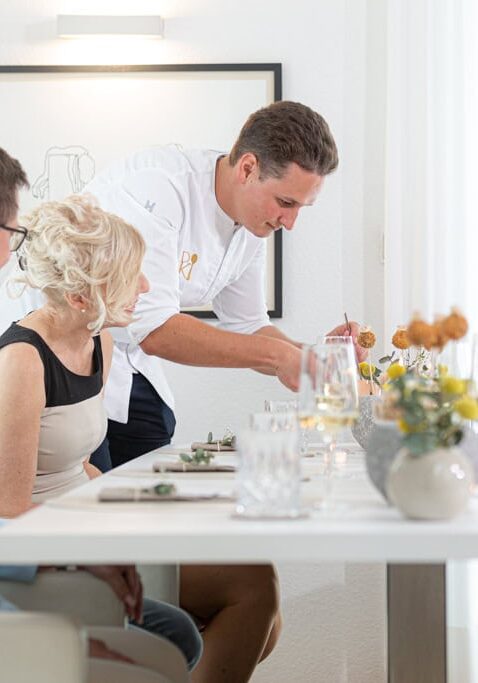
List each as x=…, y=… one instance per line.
x=273, y=637
x=261, y=588
x=267, y=586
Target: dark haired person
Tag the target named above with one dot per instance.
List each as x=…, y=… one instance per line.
x=12, y=179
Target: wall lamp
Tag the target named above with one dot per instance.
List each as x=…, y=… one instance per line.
x=83, y=25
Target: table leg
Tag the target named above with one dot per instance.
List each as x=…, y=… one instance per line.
x=416, y=623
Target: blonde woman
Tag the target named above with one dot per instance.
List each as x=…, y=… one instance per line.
x=53, y=364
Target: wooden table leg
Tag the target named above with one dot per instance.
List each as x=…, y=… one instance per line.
x=416, y=623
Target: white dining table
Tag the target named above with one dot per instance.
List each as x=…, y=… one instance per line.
x=358, y=526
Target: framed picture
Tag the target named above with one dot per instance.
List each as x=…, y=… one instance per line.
x=65, y=123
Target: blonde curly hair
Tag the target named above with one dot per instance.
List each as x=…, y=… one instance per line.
x=74, y=247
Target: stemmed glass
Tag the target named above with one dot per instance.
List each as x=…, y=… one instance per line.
x=342, y=455
x=328, y=396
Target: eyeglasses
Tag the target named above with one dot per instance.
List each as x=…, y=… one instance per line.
x=17, y=236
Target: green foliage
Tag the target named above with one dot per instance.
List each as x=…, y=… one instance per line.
x=198, y=457
x=428, y=418
x=203, y=457
x=164, y=489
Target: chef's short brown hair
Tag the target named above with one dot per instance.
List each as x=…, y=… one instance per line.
x=284, y=133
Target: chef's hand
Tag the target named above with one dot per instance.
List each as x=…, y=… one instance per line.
x=288, y=366
x=343, y=331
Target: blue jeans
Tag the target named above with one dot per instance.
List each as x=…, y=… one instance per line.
x=150, y=425
x=173, y=623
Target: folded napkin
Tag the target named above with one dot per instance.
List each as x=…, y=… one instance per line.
x=187, y=467
x=211, y=446
x=126, y=494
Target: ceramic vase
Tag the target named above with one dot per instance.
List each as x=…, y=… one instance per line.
x=434, y=485
x=384, y=443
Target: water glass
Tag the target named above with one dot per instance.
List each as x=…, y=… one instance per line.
x=268, y=480
x=291, y=406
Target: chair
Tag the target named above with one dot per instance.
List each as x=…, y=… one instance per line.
x=45, y=648
x=57, y=602
x=77, y=594
x=52, y=648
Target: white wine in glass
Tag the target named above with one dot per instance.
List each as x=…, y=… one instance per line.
x=328, y=395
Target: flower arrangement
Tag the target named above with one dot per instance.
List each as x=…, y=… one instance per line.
x=415, y=347
x=428, y=404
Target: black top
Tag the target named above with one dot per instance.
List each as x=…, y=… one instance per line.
x=62, y=386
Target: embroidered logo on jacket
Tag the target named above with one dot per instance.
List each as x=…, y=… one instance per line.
x=186, y=264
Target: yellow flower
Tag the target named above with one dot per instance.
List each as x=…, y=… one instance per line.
x=467, y=407
x=452, y=385
x=442, y=370
x=366, y=369
x=395, y=370
x=409, y=429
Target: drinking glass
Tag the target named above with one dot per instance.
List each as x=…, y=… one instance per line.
x=334, y=339
x=291, y=406
x=269, y=474
x=328, y=395
x=342, y=455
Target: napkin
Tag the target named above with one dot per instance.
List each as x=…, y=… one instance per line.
x=187, y=467
x=210, y=446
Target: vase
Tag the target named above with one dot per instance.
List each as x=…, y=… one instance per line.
x=365, y=423
x=384, y=443
x=434, y=485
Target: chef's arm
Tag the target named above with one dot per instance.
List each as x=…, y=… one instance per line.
x=187, y=340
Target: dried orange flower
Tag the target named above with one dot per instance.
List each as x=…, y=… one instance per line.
x=440, y=333
x=420, y=333
x=366, y=338
x=455, y=326
x=400, y=339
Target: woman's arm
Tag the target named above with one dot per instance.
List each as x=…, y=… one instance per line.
x=91, y=471
x=22, y=399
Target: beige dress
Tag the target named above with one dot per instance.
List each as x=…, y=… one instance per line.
x=73, y=422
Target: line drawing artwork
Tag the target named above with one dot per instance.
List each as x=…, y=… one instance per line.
x=66, y=170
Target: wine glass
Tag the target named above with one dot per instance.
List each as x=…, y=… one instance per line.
x=342, y=455
x=328, y=396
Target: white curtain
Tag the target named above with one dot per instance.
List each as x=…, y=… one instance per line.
x=431, y=230
x=431, y=217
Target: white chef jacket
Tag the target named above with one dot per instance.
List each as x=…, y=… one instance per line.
x=195, y=255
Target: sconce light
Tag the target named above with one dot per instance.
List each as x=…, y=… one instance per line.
x=82, y=25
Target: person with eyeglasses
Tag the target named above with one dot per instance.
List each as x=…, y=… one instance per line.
x=12, y=236
x=159, y=618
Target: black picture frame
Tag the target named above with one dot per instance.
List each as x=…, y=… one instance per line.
x=273, y=70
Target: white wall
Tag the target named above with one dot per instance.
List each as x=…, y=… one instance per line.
x=332, y=56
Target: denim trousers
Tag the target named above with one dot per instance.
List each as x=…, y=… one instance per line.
x=173, y=623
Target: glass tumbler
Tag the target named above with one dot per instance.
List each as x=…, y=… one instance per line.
x=269, y=474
